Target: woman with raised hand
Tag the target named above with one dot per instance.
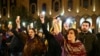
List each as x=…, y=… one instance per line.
x=16, y=46
x=72, y=46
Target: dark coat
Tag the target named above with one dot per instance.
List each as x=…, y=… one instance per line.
x=98, y=36
x=90, y=42
x=34, y=47
x=16, y=43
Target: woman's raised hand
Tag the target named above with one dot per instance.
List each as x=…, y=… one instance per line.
x=42, y=18
x=18, y=20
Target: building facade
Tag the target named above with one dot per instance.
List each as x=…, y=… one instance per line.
x=73, y=11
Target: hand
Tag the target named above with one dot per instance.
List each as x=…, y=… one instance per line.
x=42, y=18
x=18, y=20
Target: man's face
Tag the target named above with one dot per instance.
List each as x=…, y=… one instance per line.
x=85, y=27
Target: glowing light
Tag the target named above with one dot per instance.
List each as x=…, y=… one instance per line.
x=31, y=25
x=48, y=26
x=8, y=16
x=10, y=22
x=43, y=12
x=94, y=9
x=50, y=13
x=69, y=9
x=0, y=25
x=62, y=13
x=68, y=21
x=24, y=24
x=77, y=10
x=82, y=19
x=38, y=13
x=0, y=15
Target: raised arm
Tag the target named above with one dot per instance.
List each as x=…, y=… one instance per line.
x=59, y=36
x=18, y=27
x=42, y=18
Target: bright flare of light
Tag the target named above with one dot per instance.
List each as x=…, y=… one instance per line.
x=24, y=24
x=50, y=13
x=31, y=25
x=38, y=13
x=0, y=25
x=43, y=12
x=69, y=9
x=82, y=19
x=77, y=10
x=10, y=22
x=0, y=15
x=94, y=9
x=90, y=20
x=48, y=26
x=68, y=21
x=8, y=16
x=62, y=13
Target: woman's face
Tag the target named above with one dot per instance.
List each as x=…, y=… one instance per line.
x=31, y=33
x=71, y=35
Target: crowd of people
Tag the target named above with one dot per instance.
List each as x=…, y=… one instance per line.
x=31, y=42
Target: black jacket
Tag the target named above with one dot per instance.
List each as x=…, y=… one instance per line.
x=16, y=43
x=54, y=48
x=98, y=36
x=90, y=42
